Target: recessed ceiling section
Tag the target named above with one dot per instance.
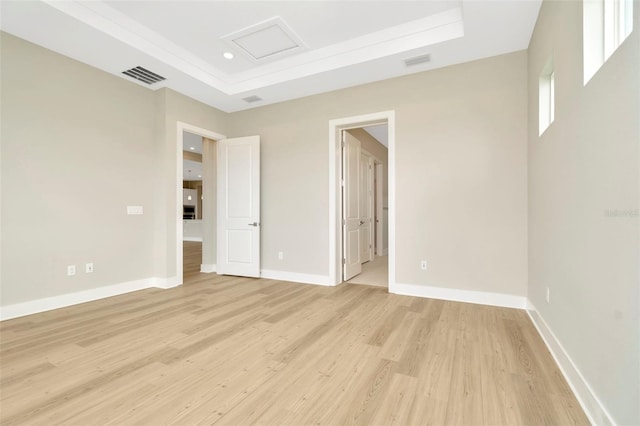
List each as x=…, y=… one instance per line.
x=268, y=40
x=298, y=48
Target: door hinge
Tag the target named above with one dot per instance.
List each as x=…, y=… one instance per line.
x=344, y=261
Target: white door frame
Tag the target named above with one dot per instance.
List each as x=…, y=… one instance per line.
x=180, y=128
x=335, y=199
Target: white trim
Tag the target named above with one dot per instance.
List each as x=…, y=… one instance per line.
x=69, y=299
x=457, y=295
x=180, y=128
x=192, y=239
x=592, y=406
x=335, y=243
x=207, y=268
x=167, y=283
x=296, y=277
x=398, y=39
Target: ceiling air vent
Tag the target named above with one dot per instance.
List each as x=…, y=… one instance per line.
x=143, y=75
x=416, y=60
x=251, y=99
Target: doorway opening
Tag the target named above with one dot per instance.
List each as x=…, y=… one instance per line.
x=347, y=227
x=196, y=200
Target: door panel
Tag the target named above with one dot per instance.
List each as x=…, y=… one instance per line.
x=239, y=207
x=366, y=207
x=352, y=264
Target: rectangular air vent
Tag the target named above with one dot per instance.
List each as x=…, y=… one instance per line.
x=143, y=75
x=416, y=60
x=251, y=99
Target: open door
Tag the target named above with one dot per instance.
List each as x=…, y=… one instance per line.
x=239, y=207
x=366, y=207
x=350, y=206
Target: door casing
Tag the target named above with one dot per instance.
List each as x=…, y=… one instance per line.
x=180, y=128
x=335, y=198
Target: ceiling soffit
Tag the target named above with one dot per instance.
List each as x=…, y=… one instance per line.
x=300, y=62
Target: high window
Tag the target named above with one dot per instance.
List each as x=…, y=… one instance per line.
x=546, y=99
x=606, y=24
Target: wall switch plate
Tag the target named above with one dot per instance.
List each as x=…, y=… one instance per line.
x=135, y=210
x=280, y=255
x=71, y=270
x=423, y=265
x=88, y=268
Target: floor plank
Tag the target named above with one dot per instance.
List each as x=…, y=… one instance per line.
x=229, y=350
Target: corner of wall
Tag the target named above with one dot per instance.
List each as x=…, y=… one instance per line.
x=593, y=408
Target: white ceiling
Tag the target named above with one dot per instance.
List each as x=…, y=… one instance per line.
x=341, y=43
x=191, y=170
x=380, y=132
x=191, y=142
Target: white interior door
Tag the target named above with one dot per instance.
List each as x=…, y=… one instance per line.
x=239, y=207
x=378, y=210
x=366, y=207
x=352, y=265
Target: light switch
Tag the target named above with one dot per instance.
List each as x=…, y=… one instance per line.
x=134, y=210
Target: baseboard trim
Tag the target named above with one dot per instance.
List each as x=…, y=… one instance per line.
x=456, y=295
x=194, y=239
x=70, y=299
x=593, y=408
x=296, y=277
x=166, y=283
x=208, y=268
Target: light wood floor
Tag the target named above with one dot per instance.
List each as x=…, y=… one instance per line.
x=234, y=351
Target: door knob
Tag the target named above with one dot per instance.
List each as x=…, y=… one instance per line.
x=362, y=222
x=254, y=224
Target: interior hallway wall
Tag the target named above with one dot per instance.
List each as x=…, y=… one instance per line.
x=582, y=170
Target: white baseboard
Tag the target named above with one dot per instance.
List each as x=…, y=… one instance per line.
x=296, y=277
x=208, y=267
x=456, y=295
x=69, y=299
x=166, y=283
x=593, y=408
x=196, y=239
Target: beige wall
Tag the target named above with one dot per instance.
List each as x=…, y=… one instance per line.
x=175, y=107
x=461, y=174
x=584, y=165
x=78, y=146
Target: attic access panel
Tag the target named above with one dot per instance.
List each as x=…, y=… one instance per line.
x=268, y=40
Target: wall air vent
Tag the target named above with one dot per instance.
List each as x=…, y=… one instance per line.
x=143, y=75
x=416, y=60
x=251, y=99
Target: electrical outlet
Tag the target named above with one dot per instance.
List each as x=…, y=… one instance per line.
x=71, y=270
x=423, y=265
x=548, y=295
x=280, y=255
x=88, y=268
